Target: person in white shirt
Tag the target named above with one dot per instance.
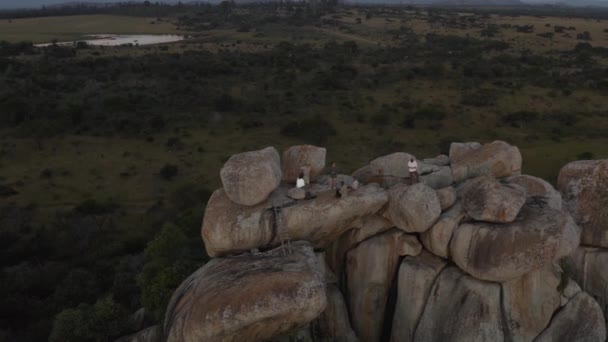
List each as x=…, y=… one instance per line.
x=412, y=166
x=300, y=183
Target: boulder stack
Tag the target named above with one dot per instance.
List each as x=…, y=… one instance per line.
x=474, y=252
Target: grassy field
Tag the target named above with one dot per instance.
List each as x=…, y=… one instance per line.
x=47, y=29
x=127, y=170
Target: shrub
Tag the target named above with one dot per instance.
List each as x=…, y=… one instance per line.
x=315, y=129
x=430, y=113
x=169, y=171
x=518, y=119
x=380, y=119
x=585, y=156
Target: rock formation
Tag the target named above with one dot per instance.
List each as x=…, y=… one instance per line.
x=474, y=252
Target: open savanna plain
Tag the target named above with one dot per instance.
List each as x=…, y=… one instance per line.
x=108, y=154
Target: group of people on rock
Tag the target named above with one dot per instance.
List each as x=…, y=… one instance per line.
x=342, y=191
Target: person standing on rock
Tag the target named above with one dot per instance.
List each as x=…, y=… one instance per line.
x=305, y=170
x=333, y=176
x=412, y=166
x=300, y=183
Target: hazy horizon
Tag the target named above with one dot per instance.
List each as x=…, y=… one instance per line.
x=6, y=4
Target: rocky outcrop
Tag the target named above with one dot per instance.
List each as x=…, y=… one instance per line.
x=416, y=277
x=446, y=196
x=333, y=324
x=584, y=187
x=488, y=270
x=297, y=156
x=323, y=219
x=497, y=159
x=437, y=239
x=248, y=178
x=501, y=252
x=484, y=199
x=580, y=320
x=588, y=266
x=370, y=269
x=458, y=149
x=539, y=191
x=229, y=227
x=461, y=308
x=392, y=165
x=413, y=208
x=530, y=301
x=248, y=297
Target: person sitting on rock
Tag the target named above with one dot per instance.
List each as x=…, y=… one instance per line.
x=354, y=185
x=300, y=183
x=412, y=166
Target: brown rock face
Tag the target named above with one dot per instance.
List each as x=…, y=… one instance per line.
x=530, y=301
x=248, y=297
x=589, y=266
x=446, y=196
x=457, y=150
x=538, y=190
x=333, y=324
x=580, y=320
x=249, y=177
x=461, y=308
x=323, y=219
x=413, y=208
x=437, y=239
x=362, y=229
x=392, y=165
x=371, y=267
x=584, y=187
x=497, y=159
x=229, y=227
x=501, y=252
x=416, y=277
x=297, y=156
x=485, y=199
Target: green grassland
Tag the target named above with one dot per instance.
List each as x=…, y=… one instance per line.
x=69, y=28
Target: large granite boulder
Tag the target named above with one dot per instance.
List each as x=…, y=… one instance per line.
x=497, y=159
x=229, y=227
x=440, y=160
x=248, y=178
x=392, y=165
x=371, y=267
x=437, y=239
x=436, y=177
x=589, y=267
x=539, y=191
x=323, y=219
x=334, y=324
x=297, y=156
x=446, y=196
x=485, y=199
x=362, y=229
x=248, y=297
x=584, y=187
x=580, y=320
x=501, y=252
x=413, y=208
x=530, y=301
x=416, y=277
x=458, y=149
x=461, y=308
x=232, y=228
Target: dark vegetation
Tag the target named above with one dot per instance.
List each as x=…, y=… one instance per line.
x=79, y=272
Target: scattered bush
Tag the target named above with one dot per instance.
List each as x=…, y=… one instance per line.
x=168, y=171
x=316, y=129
